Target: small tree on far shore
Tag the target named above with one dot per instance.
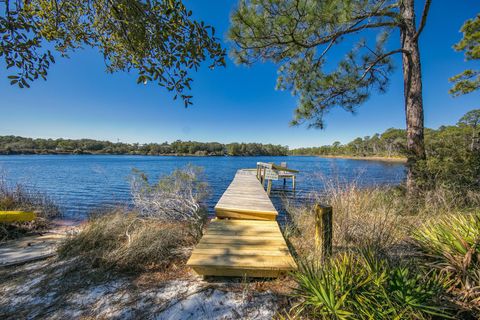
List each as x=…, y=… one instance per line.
x=472, y=120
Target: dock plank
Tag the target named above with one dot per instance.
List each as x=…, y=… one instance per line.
x=237, y=252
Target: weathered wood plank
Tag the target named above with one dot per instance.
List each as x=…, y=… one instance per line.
x=242, y=241
x=268, y=247
x=232, y=272
x=243, y=261
x=246, y=215
x=253, y=224
x=268, y=251
x=29, y=249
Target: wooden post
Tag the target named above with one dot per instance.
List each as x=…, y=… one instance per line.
x=264, y=175
x=323, y=230
x=269, y=186
x=293, y=182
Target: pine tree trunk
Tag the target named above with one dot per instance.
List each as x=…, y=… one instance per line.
x=412, y=76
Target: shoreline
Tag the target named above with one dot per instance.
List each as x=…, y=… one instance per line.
x=368, y=158
x=129, y=154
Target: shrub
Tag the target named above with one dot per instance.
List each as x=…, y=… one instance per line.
x=21, y=198
x=380, y=219
x=453, y=159
x=127, y=242
x=452, y=246
x=176, y=197
x=360, y=285
x=361, y=217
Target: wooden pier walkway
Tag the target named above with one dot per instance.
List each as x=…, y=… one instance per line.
x=244, y=239
x=245, y=198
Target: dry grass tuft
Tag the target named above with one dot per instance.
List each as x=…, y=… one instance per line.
x=376, y=217
x=382, y=221
x=361, y=218
x=124, y=241
x=19, y=197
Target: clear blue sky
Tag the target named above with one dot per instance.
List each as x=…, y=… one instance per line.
x=80, y=100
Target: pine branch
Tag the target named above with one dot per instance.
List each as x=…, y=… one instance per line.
x=380, y=58
x=423, y=20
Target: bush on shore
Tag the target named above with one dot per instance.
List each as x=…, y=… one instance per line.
x=21, y=198
x=179, y=196
x=380, y=221
x=362, y=285
x=451, y=245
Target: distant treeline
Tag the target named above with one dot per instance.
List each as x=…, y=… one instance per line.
x=391, y=143
x=21, y=145
x=447, y=140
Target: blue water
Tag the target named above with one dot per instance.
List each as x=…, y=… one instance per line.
x=80, y=183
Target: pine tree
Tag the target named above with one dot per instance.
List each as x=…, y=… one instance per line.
x=301, y=35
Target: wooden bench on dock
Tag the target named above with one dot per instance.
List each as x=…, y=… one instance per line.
x=268, y=172
x=244, y=239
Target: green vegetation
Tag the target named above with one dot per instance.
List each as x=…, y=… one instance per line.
x=19, y=197
x=364, y=286
x=451, y=245
x=392, y=143
x=469, y=80
x=390, y=260
x=20, y=145
x=158, y=39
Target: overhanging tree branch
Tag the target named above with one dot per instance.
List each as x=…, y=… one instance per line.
x=157, y=38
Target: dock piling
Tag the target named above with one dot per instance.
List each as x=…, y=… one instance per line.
x=323, y=230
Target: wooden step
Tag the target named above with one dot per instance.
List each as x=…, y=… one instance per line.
x=242, y=248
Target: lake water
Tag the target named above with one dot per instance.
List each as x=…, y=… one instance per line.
x=80, y=183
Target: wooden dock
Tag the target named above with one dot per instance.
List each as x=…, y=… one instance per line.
x=244, y=239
